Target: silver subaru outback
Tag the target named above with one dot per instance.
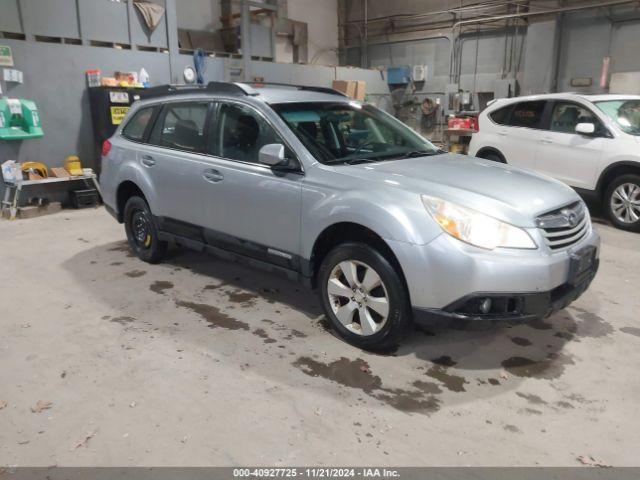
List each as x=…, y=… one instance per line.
x=344, y=197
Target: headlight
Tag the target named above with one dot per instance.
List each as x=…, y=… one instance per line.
x=474, y=227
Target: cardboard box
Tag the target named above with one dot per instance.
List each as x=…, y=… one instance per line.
x=59, y=172
x=351, y=88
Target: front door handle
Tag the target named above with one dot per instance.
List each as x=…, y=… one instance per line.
x=148, y=160
x=212, y=175
x=546, y=141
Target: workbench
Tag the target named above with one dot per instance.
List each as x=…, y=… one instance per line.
x=12, y=191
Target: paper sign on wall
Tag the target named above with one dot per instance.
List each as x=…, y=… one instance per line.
x=118, y=114
x=6, y=57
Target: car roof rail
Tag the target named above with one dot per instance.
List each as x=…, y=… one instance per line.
x=212, y=87
x=307, y=88
x=228, y=88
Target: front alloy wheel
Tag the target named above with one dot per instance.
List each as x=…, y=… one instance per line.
x=358, y=297
x=364, y=296
x=622, y=201
x=625, y=203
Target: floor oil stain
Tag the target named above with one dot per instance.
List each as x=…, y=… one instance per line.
x=245, y=299
x=444, y=361
x=123, y=320
x=357, y=374
x=213, y=316
x=540, y=325
x=631, y=331
x=159, y=286
x=122, y=247
x=454, y=383
x=549, y=368
x=592, y=325
x=531, y=398
x=523, y=342
x=135, y=273
x=260, y=332
x=512, y=429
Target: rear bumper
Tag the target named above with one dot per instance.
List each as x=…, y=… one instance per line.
x=530, y=306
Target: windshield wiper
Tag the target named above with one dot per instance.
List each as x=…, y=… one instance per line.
x=421, y=153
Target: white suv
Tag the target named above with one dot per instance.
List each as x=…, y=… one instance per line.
x=590, y=142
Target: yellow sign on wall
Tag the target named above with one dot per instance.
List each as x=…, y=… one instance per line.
x=117, y=114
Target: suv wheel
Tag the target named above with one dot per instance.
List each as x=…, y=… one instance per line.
x=364, y=297
x=623, y=202
x=141, y=231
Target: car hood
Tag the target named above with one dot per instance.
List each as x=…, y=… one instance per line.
x=514, y=195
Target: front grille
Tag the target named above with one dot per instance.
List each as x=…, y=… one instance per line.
x=565, y=226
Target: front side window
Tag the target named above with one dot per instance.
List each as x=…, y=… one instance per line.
x=240, y=133
x=527, y=114
x=349, y=132
x=567, y=115
x=625, y=113
x=136, y=127
x=181, y=126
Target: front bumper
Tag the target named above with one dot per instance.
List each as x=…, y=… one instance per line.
x=527, y=306
x=444, y=275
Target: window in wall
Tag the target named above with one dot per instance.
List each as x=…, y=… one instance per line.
x=135, y=128
x=181, y=126
x=240, y=133
x=566, y=116
x=527, y=114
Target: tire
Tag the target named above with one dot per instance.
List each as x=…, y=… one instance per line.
x=142, y=233
x=624, y=213
x=378, y=332
x=494, y=157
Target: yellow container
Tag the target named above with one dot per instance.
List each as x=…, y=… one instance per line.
x=73, y=166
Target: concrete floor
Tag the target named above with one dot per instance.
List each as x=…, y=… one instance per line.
x=202, y=362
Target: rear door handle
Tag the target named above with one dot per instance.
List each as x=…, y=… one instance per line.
x=546, y=141
x=212, y=175
x=502, y=134
x=148, y=160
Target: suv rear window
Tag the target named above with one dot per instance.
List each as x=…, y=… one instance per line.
x=181, y=126
x=501, y=115
x=527, y=114
x=135, y=128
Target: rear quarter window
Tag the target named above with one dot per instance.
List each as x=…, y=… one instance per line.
x=137, y=126
x=501, y=116
x=527, y=114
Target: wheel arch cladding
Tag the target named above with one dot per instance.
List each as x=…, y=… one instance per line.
x=490, y=151
x=615, y=170
x=349, y=232
x=126, y=190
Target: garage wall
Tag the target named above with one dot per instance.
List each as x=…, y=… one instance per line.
x=545, y=53
x=322, y=19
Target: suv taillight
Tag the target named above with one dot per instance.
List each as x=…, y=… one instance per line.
x=106, y=148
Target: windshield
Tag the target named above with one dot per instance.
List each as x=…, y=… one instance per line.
x=352, y=133
x=626, y=113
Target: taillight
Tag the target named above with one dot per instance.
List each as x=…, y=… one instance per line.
x=106, y=148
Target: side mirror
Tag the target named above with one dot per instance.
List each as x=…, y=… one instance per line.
x=272, y=155
x=585, y=128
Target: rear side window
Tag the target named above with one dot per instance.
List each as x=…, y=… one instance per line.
x=181, y=126
x=527, y=114
x=135, y=128
x=501, y=116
